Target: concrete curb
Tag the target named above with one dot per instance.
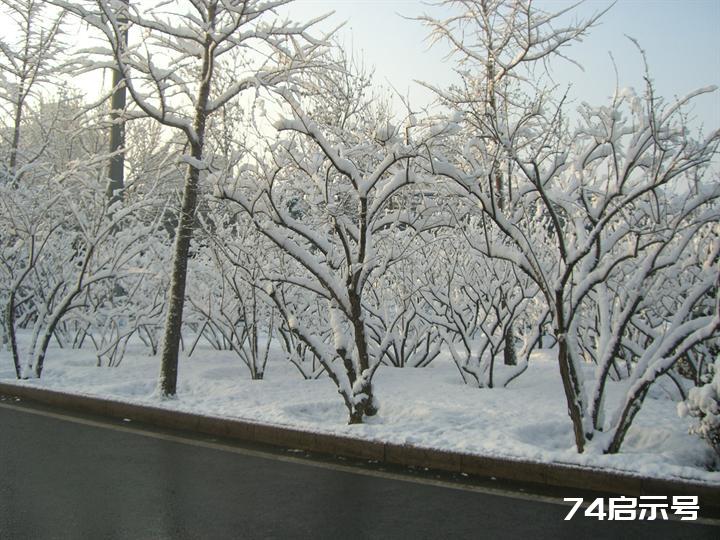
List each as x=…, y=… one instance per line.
x=554, y=475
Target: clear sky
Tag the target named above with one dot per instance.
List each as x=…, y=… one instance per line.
x=680, y=38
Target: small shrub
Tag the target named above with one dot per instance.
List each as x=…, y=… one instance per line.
x=703, y=403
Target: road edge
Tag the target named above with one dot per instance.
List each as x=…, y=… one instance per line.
x=545, y=474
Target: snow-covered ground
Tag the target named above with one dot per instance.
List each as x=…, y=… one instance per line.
x=427, y=407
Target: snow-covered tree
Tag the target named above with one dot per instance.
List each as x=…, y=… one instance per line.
x=396, y=301
x=596, y=217
x=621, y=203
x=58, y=241
x=30, y=51
x=169, y=65
x=325, y=193
x=61, y=131
x=477, y=302
x=498, y=45
x=227, y=293
x=132, y=302
x=703, y=403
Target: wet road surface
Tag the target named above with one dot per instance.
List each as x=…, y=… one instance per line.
x=66, y=477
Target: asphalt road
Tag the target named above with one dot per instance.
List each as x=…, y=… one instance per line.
x=69, y=477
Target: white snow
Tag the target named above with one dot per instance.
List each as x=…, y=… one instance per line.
x=428, y=407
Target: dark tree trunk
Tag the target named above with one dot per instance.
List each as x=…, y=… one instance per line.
x=186, y=226
x=572, y=394
x=627, y=418
x=509, y=354
x=176, y=302
x=367, y=406
x=15, y=145
x=117, y=130
x=11, y=336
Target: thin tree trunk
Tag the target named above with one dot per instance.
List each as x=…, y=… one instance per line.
x=11, y=336
x=116, y=173
x=15, y=145
x=176, y=302
x=509, y=353
x=186, y=226
x=117, y=130
x=628, y=415
x=367, y=407
x=571, y=386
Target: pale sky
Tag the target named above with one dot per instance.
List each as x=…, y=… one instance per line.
x=680, y=38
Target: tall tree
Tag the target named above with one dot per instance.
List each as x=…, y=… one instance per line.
x=597, y=218
x=29, y=54
x=117, y=129
x=333, y=192
x=497, y=43
x=169, y=64
x=602, y=219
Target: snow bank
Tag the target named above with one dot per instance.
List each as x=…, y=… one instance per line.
x=427, y=407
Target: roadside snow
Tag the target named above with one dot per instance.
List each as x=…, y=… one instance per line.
x=428, y=407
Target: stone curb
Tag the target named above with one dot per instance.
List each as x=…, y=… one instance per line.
x=554, y=474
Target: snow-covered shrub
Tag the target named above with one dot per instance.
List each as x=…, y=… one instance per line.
x=703, y=403
x=395, y=305
x=227, y=293
x=610, y=222
x=315, y=319
x=60, y=241
x=131, y=304
x=324, y=193
x=489, y=314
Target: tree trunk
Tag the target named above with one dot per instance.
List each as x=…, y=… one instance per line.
x=183, y=236
x=509, y=354
x=626, y=420
x=178, y=279
x=367, y=407
x=570, y=385
x=15, y=145
x=9, y=322
x=117, y=130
